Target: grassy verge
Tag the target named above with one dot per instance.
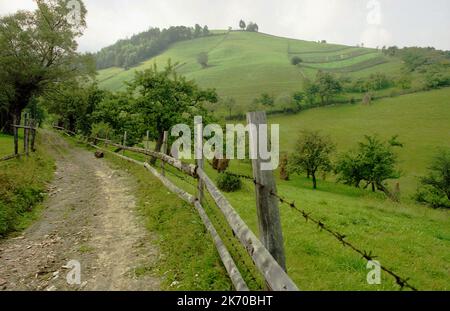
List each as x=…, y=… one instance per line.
x=22, y=187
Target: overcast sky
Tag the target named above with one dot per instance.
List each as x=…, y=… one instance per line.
x=374, y=22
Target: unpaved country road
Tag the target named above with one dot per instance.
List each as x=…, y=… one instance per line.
x=89, y=217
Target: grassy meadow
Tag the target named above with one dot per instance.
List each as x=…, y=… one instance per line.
x=242, y=65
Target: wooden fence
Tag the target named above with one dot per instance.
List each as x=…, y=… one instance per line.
x=266, y=252
x=29, y=139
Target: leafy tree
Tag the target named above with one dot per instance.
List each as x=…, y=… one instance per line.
x=327, y=87
x=312, y=154
x=198, y=31
x=242, y=25
x=435, y=187
x=296, y=60
x=164, y=99
x=202, y=59
x=205, y=31
x=311, y=91
x=252, y=27
x=266, y=100
x=372, y=163
x=230, y=104
x=37, y=51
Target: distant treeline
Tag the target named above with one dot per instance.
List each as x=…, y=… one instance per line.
x=130, y=52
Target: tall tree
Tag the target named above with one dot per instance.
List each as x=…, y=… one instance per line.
x=242, y=25
x=327, y=87
x=165, y=99
x=38, y=50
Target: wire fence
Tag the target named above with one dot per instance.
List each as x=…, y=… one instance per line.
x=238, y=249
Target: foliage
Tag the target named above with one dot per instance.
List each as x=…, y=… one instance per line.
x=296, y=60
x=435, y=187
x=252, y=27
x=164, y=99
x=202, y=59
x=372, y=163
x=228, y=182
x=312, y=154
x=327, y=87
x=265, y=100
x=38, y=51
x=242, y=25
x=130, y=52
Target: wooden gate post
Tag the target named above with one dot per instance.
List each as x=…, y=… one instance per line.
x=33, y=124
x=16, y=135
x=25, y=134
x=198, y=136
x=270, y=231
x=164, y=149
x=124, y=142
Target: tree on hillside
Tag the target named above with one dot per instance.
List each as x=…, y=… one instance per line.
x=37, y=51
x=372, y=163
x=242, y=25
x=202, y=59
x=296, y=60
x=435, y=187
x=266, y=100
x=327, y=87
x=230, y=104
x=164, y=99
x=312, y=154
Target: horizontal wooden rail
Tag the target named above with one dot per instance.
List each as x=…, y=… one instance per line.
x=12, y=156
x=275, y=276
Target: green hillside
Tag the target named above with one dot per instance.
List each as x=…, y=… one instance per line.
x=242, y=65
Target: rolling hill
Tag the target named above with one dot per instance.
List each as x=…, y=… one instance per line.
x=242, y=65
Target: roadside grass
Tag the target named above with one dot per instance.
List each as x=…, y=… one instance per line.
x=410, y=239
x=23, y=184
x=188, y=258
x=7, y=144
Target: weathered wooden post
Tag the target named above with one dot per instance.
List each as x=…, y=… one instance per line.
x=198, y=136
x=33, y=134
x=25, y=134
x=147, y=147
x=16, y=135
x=124, y=142
x=164, y=150
x=270, y=231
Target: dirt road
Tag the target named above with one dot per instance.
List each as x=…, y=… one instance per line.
x=89, y=218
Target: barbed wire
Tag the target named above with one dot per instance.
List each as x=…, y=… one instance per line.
x=402, y=282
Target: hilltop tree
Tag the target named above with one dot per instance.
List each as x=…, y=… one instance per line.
x=37, y=51
x=198, y=31
x=252, y=27
x=312, y=154
x=165, y=99
x=205, y=31
x=242, y=25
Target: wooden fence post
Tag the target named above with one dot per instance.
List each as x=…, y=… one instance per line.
x=198, y=136
x=33, y=134
x=16, y=135
x=124, y=141
x=270, y=231
x=164, y=149
x=25, y=134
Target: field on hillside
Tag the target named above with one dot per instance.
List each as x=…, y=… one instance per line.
x=242, y=65
x=421, y=120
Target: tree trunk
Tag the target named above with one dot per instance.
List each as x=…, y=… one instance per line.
x=373, y=187
x=158, y=146
x=314, y=180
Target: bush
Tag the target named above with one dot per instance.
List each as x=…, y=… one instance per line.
x=296, y=60
x=228, y=182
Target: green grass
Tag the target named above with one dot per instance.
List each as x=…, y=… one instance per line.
x=7, y=144
x=421, y=120
x=243, y=64
x=22, y=186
